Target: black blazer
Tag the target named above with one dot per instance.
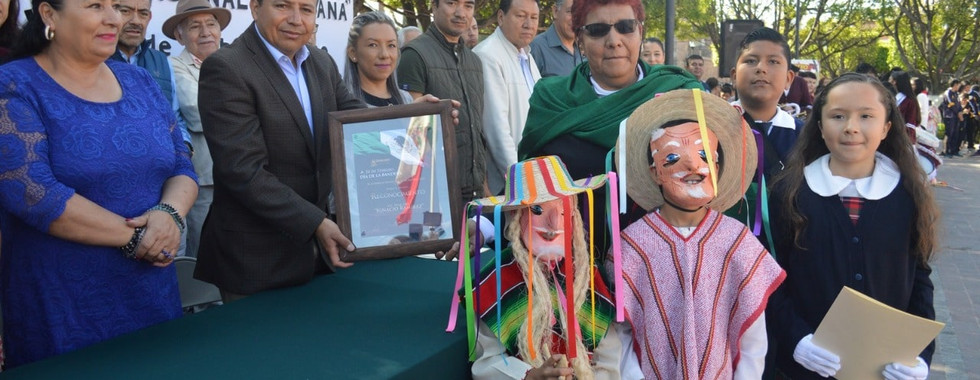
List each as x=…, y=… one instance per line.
x=271, y=175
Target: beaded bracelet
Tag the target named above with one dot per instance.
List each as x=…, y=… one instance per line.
x=129, y=250
x=173, y=214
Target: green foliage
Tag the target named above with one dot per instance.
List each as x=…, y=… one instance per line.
x=841, y=35
x=880, y=61
x=936, y=39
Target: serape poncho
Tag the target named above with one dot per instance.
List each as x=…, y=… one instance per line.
x=513, y=306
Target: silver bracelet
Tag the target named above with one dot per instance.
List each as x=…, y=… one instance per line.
x=173, y=214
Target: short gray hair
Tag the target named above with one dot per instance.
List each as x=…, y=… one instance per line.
x=401, y=33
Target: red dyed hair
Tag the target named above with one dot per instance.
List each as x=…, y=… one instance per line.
x=582, y=8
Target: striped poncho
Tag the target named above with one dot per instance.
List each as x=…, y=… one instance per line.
x=691, y=299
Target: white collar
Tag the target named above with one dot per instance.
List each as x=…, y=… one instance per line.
x=899, y=98
x=882, y=181
x=604, y=92
x=781, y=119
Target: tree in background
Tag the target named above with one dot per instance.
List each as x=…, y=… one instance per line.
x=840, y=34
x=936, y=39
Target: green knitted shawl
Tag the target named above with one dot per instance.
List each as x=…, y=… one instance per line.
x=569, y=105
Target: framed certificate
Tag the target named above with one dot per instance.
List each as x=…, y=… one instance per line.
x=394, y=179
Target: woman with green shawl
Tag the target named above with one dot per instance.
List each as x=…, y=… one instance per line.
x=577, y=117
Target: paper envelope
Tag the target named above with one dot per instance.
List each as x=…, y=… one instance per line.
x=868, y=335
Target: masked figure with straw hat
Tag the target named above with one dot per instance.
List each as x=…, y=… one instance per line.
x=540, y=309
x=696, y=281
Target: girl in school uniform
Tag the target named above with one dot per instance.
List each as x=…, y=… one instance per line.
x=854, y=209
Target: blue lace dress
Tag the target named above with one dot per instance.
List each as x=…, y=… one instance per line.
x=56, y=295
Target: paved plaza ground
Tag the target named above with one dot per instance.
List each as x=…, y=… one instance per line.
x=956, y=272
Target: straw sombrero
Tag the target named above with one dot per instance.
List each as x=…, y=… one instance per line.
x=187, y=8
x=539, y=180
x=735, y=139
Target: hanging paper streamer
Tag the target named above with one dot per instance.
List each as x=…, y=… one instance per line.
x=468, y=283
x=496, y=250
x=589, y=195
x=703, y=126
x=616, y=250
x=569, y=278
x=764, y=195
x=530, y=288
x=622, y=166
x=460, y=268
x=478, y=244
x=454, y=306
x=757, y=224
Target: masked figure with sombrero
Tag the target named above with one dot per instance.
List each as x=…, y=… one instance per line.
x=696, y=281
x=540, y=308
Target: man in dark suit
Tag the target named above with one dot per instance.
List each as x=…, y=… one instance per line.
x=264, y=102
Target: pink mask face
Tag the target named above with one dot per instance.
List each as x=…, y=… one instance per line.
x=548, y=235
x=680, y=165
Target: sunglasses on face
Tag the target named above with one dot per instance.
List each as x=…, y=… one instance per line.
x=600, y=29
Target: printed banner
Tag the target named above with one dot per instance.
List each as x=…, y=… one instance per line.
x=333, y=17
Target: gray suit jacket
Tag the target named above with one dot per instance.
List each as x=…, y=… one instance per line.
x=271, y=175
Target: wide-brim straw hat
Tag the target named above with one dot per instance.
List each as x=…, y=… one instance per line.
x=539, y=180
x=736, y=142
x=187, y=8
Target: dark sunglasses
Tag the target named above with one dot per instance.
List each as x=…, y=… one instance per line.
x=600, y=29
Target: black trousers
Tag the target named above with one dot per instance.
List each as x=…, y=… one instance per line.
x=953, y=137
x=970, y=133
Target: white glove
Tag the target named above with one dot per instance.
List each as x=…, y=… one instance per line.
x=899, y=371
x=816, y=359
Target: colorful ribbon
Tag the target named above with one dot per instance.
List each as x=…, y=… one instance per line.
x=764, y=195
x=589, y=195
x=475, y=266
x=760, y=177
x=703, y=127
x=497, y=221
x=468, y=286
x=616, y=248
x=530, y=289
x=622, y=162
x=569, y=278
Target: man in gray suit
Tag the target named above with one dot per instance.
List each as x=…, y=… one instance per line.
x=264, y=101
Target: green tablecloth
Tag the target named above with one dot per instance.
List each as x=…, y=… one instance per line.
x=377, y=320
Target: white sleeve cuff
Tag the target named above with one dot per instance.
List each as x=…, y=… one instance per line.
x=486, y=228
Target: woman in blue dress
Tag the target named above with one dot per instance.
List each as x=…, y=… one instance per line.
x=94, y=184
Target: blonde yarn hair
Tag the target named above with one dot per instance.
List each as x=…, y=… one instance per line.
x=542, y=309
